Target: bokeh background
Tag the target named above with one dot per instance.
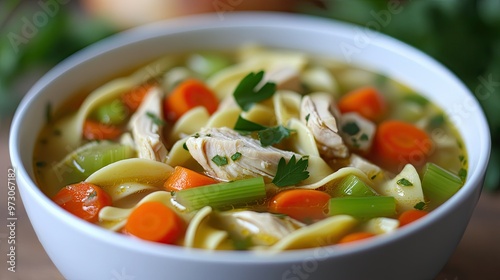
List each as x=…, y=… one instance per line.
x=464, y=35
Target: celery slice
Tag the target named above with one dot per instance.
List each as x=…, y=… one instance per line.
x=352, y=185
x=363, y=207
x=222, y=195
x=207, y=64
x=89, y=158
x=114, y=113
x=439, y=184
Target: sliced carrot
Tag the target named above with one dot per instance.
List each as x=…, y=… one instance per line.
x=154, y=221
x=183, y=178
x=397, y=143
x=93, y=130
x=355, y=236
x=366, y=101
x=187, y=95
x=409, y=216
x=301, y=204
x=134, y=97
x=84, y=200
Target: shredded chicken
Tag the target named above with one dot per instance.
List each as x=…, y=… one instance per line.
x=286, y=78
x=146, y=128
x=319, y=113
x=223, y=143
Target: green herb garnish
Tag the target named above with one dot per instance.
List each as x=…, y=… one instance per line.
x=247, y=126
x=185, y=147
x=404, y=182
x=351, y=128
x=267, y=135
x=156, y=120
x=236, y=156
x=273, y=135
x=246, y=93
x=292, y=172
x=420, y=205
x=220, y=160
x=462, y=173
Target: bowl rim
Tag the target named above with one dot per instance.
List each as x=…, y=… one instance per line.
x=232, y=20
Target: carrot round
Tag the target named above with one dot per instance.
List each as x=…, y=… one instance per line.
x=409, y=216
x=133, y=98
x=366, y=101
x=397, y=143
x=183, y=178
x=187, y=95
x=301, y=204
x=93, y=130
x=355, y=236
x=154, y=221
x=84, y=200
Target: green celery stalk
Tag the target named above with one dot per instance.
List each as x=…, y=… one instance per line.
x=439, y=184
x=207, y=64
x=363, y=207
x=89, y=158
x=352, y=185
x=222, y=195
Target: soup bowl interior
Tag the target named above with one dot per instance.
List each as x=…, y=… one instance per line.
x=81, y=250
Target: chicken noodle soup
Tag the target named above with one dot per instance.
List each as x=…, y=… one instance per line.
x=257, y=149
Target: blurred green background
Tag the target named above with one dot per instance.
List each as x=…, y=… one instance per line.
x=464, y=35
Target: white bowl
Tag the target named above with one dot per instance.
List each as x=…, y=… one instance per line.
x=81, y=250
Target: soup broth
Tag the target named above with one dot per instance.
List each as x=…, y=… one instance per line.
x=256, y=149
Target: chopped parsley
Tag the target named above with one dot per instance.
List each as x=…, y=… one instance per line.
x=462, y=173
x=351, y=128
x=247, y=126
x=267, y=135
x=273, y=135
x=404, y=182
x=156, y=120
x=185, y=147
x=292, y=172
x=420, y=205
x=246, y=93
x=220, y=160
x=236, y=156
x=307, y=117
x=364, y=137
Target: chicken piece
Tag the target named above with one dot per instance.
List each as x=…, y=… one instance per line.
x=146, y=128
x=215, y=148
x=285, y=78
x=319, y=113
x=357, y=131
x=263, y=229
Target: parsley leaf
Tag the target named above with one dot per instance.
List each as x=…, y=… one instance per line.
x=420, y=205
x=273, y=135
x=156, y=120
x=236, y=156
x=292, y=172
x=267, y=135
x=351, y=128
x=220, y=160
x=246, y=93
x=247, y=126
x=404, y=182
